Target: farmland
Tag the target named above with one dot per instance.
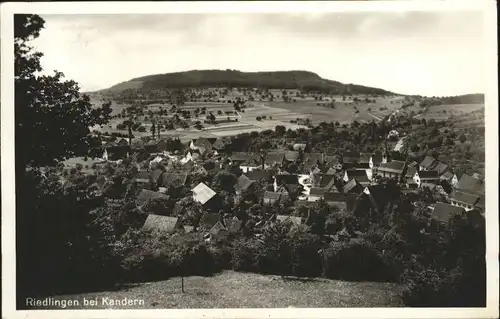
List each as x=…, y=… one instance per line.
x=237, y=290
x=443, y=112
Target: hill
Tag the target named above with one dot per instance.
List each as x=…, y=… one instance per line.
x=302, y=80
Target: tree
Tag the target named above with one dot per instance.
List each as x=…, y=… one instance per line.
x=52, y=118
x=153, y=130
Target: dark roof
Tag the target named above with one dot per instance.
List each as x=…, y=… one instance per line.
x=349, y=200
x=480, y=203
x=326, y=179
x=440, y=168
x=411, y=171
x=292, y=188
x=350, y=157
x=242, y=157
x=377, y=158
x=208, y=220
x=464, y=198
x=378, y=195
x=352, y=185
x=314, y=158
x=470, y=184
x=447, y=175
x=143, y=175
x=243, y=183
x=287, y=179
x=443, y=212
x=146, y=195
x=256, y=175
x=392, y=167
x=365, y=157
x=291, y=156
x=217, y=228
x=363, y=180
x=274, y=158
x=428, y=162
x=428, y=175
x=168, y=179
x=354, y=173
x=317, y=191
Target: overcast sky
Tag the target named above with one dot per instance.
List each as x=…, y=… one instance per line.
x=427, y=53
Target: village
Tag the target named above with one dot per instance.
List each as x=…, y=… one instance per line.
x=293, y=177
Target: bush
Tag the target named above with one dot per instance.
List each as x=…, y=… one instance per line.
x=356, y=260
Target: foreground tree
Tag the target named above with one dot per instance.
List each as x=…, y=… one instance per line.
x=52, y=119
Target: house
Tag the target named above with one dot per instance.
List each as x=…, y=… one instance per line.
x=286, y=179
x=291, y=156
x=169, y=179
x=365, y=161
x=274, y=158
x=233, y=225
x=349, y=159
x=440, y=168
x=143, y=177
x=315, y=194
x=361, y=176
x=241, y=157
x=392, y=169
x=217, y=229
x=450, y=177
x=426, y=178
x=312, y=160
x=353, y=187
x=326, y=181
x=333, y=161
x=115, y=151
x=464, y=200
x=207, y=221
x=443, y=212
x=162, y=224
x=289, y=219
x=470, y=184
x=146, y=195
x=299, y=147
x=202, y=193
x=243, y=183
x=259, y=175
x=427, y=163
x=342, y=200
x=376, y=159
x=203, y=145
x=273, y=197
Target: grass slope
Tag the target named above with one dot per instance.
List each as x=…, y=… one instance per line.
x=220, y=78
x=244, y=290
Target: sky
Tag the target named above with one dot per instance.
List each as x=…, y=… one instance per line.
x=426, y=53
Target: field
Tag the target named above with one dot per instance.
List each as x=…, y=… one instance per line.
x=237, y=290
x=443, y=112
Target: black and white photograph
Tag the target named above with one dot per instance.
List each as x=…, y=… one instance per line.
x=316, y=159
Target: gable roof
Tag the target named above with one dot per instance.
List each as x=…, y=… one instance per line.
x=332, y=159
x=156, y=174
x=334, y=197
x=202, y=193
x=350, y=157
x=428, y=175
x=146, y=195
x=470, y=184
x=217, y=228
x=377, y=158
x=326, y=180
x=242, y=157
x=354, y=173
x=410, y=172
x=351, y=186
x=464, y=198
x=377, y=194
x=143, y=176
x=276, y=196
x=233, y=225
x=161, y=224
x=365, y=157
x=440, y=168
x=168, y=179
x=291, y=156
x=442, y=212
x=242, y=183
x=316, y=191
x=274, y=158
x=208, y=220
x=202, y=142
x=256, y=175
x=392, y=167
x=447, y=175
x=428, y=162
x=287, y=179
x=285, y=218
